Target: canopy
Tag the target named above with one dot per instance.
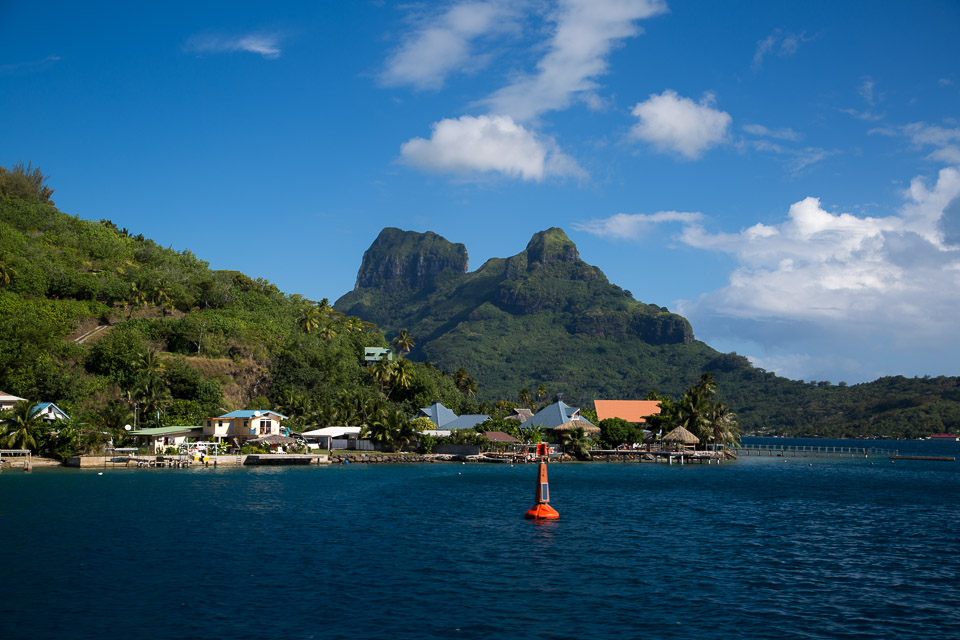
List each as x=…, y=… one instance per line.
x=682, y=436
x=573, y=424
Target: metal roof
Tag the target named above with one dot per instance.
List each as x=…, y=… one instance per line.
x=40, y=407
x=250, y=413
x=554, y=415
x=466, y=421
x=164, y=431
x=440, y=415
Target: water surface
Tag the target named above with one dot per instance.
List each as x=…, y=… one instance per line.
x=760, y=548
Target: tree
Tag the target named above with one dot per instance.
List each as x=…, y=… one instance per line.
x=7, y=274
x=541, y=393
x=138, y=298
x=149, y=363
x=525, y=397
x=404, y=341
x=460, y=378
x=25, y=182
x=402, y=374
x=161, y=296
x=576, y=442
x=310, y=319
x=21, y=426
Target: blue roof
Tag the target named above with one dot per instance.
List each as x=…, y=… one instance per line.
x=466, y=422
x=41, y=407
x=251, y=413
x=440, y=415
x=553, y=415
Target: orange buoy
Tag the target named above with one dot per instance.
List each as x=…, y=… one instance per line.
x=542, y=510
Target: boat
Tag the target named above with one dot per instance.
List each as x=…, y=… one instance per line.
x=945, y=436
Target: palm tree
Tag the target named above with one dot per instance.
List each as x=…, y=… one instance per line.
x=138, y=298
x=352, y=324
x=404, y=342
x=328, y=330
x=471, y=387
x=7, y=274
x=576, y=442
x=541, y=393
x=525, y=397
x=161, y=295
x=693, y=413
x=310, y=319
x=149, y=363
x=402, y=374
x=460, y=378
x=382, y=372
x=152, y=393
x=21, y=425
x=378, y=431
x=723, y=424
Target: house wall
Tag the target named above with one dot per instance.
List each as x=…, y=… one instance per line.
x=242, y=428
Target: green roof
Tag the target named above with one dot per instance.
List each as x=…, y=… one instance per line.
x=163, y=431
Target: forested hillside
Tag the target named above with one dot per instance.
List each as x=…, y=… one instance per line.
x=103, y=321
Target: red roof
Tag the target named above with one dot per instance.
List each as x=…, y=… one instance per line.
x=499, y=436
x=629, y=410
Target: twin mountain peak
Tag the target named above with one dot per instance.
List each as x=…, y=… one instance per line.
x=422, y=282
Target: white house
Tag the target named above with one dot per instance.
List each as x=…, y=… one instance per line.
x=49, y=412
x=7, y=401
x=244, y=425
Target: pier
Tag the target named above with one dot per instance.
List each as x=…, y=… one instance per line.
x=666, y=456
x=792, y=451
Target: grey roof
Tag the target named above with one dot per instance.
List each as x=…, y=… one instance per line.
x=554, y=415
x=440, y=415
x=466, y=422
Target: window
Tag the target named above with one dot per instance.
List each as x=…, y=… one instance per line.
x=264, y=427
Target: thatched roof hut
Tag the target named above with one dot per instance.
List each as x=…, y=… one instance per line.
x=681, y=436
x=573, y=424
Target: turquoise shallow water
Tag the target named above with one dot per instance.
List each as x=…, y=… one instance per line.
x=760, y=548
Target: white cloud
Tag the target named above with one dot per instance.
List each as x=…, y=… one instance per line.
x=443, y=44
x=672, y=123
x=634, y=225
x=829, y=278
x=263, y=44
x=586, y=31
x=945, y=140
x=863, y=115
x=27, y=67
x=866, y=91
x=778, y=134
x=488, y=144
x=777, y=43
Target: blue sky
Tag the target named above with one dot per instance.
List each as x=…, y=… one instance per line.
x=786, y=175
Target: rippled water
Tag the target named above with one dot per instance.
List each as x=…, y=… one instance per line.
x=760, y=548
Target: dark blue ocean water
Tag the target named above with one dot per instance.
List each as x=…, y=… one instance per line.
x=759, y=548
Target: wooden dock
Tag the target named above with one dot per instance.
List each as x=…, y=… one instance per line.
x=793, y=451
x=659, y=456
x=929, y=458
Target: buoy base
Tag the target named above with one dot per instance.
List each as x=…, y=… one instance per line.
x=542, y=512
